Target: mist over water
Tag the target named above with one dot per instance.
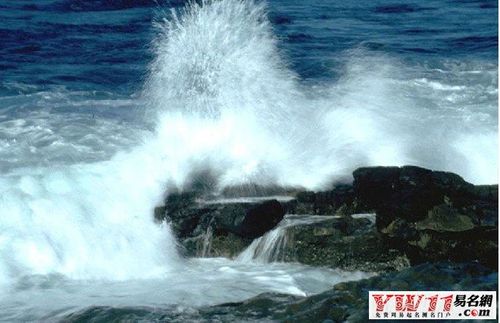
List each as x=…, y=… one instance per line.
x=77, y=192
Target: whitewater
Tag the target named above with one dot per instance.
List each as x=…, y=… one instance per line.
x=77, y=193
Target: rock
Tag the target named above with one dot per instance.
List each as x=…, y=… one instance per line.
x=408, y=192
x=478, y=244
x=256, y=190
x=259, y=219
x=217, y=229
x=443, y=218
x=483, y=205
x=430, y=215
x=248, y=220
x=400, y=230
x=331, y=241
x=207, y=245
x=343, y=242
x=421, y=215
x=181, y=212
x=340, y=201
x=486, y=192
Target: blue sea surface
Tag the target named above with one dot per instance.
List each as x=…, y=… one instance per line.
x=104, y=46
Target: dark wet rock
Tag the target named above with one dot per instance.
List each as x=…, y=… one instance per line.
x=444, y=218
x=345, y=302
x=408, y=192
x=422, y=215
x=340, y=200
x=259, y=219
x=483, y=205
x=246, y=219
x=339, y=242
x=256, y=190
x=181, y=212
x=217, y=229
x=208, y=245
x=486, y=192
x=400, y=230
x=360, y=252
x=478, y=244
x=430, y=215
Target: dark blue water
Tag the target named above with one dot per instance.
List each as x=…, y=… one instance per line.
x=105, y=45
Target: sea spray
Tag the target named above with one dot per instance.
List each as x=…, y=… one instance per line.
x=228, y=101
x=85, y=221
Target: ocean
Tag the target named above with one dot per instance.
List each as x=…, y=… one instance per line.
x=106, y=105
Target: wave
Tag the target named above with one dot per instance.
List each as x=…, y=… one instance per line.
x=219, y=80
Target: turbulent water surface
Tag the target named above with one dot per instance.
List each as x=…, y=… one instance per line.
x=106, y=104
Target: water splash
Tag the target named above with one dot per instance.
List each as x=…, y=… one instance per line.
x=84, y=221
x=226, y=100
x=272, y=246
x=268, y=248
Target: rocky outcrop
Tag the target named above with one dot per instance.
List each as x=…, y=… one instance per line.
x=340, y=200
x=429, y=215
x=218, y=229
x=421, y=215
x=344, y=242
x=410, y=192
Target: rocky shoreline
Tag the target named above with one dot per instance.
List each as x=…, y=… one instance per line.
x=395, y=221
x=344, y=302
